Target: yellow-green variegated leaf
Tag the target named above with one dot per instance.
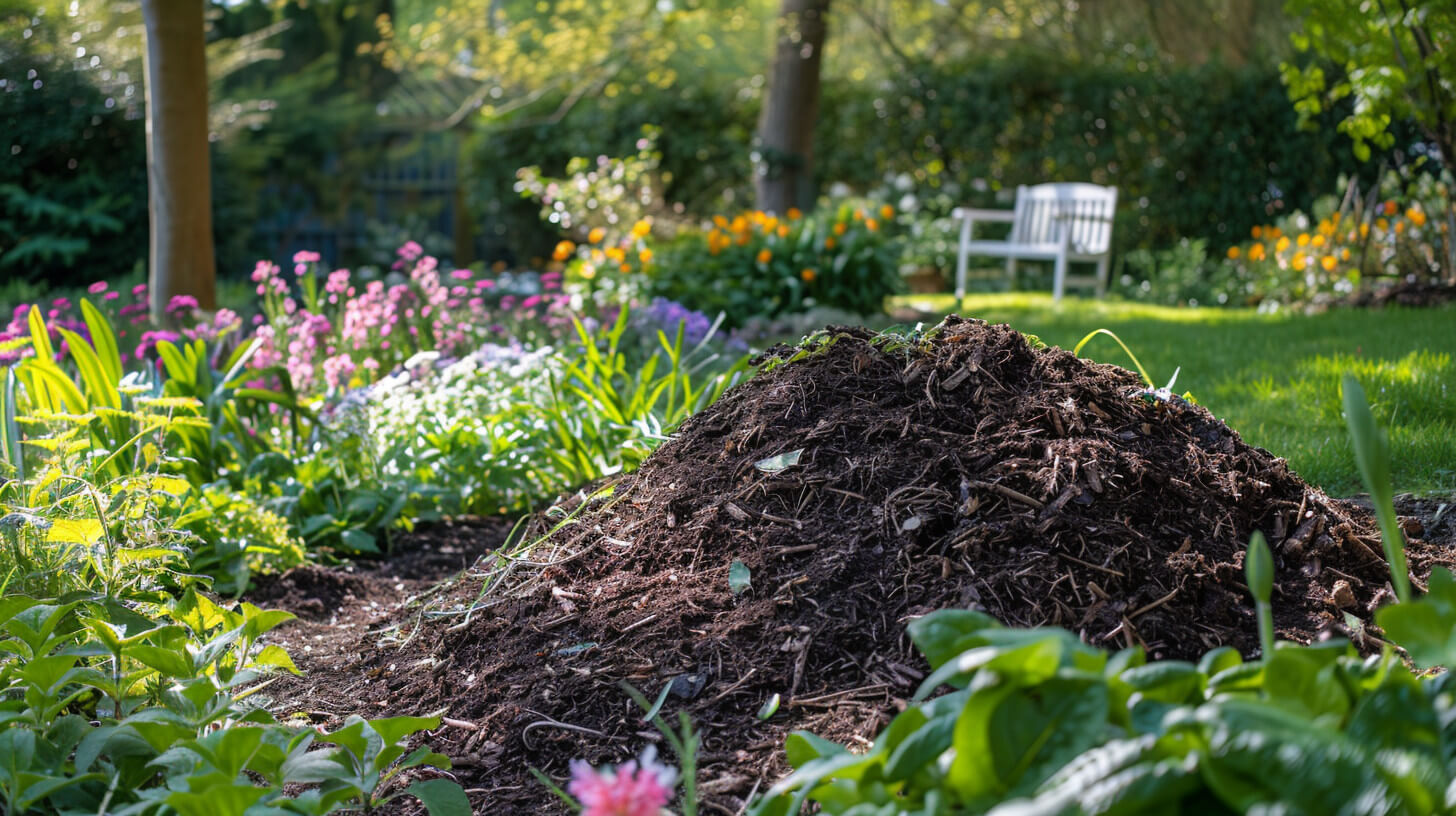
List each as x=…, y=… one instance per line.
x=75, y=531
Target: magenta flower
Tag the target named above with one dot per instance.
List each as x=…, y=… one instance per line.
x=111, y=296
x=181, y=303
x=139, y=290
x=97, y=288
x=460, y=274
x=306, y=256
x=629, y=790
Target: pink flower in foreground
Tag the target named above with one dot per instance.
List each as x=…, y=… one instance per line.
x=628, y=790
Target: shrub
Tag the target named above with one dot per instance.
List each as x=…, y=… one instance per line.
x=238, y=537
x=759, y=264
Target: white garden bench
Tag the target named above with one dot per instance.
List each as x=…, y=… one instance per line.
x=1062, y=223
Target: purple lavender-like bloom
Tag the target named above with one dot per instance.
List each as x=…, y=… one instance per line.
x=666, y=315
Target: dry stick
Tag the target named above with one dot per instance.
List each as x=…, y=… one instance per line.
x=847, y=692
x=1154, y=605
x=1009, y=493
x=737, y=684
x=1090, y=565
x=550, y=723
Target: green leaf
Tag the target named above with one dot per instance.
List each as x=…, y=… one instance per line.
x=167, y=661
x=275, y=657
x=740, y=579
x=780, y=462
x=769, y=708
x=939, y=635
x=1425, y=628
x=441, y=797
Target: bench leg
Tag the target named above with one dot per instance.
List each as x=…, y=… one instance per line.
x=1102, y=269
x=1010, y=274
x=961, y=260
x=1059, y=278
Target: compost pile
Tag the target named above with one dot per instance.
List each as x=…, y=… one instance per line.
x=862, y=480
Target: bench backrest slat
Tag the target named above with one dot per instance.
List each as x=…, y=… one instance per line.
x=1044, y=210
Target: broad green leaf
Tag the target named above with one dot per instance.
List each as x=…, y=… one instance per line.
x=938, y=634
x=1425, y=628
x=441, y=797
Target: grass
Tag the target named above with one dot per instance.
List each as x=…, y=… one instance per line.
x=1275, y=378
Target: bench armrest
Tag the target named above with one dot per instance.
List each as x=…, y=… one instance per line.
x=975, y=214
x=1106, y=219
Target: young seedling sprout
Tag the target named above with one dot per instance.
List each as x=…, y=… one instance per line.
x=1372, y=456
x=1259, y=572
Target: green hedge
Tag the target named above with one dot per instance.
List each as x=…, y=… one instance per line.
x=1207, y=151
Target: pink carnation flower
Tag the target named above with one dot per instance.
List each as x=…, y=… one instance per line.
x=629, y=790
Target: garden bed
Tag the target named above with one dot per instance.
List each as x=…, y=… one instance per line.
x=863, y=482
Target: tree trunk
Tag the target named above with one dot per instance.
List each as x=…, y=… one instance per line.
x=179, y=179
x=785, y=159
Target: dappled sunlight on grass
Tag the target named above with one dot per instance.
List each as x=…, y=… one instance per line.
x=1275, y=378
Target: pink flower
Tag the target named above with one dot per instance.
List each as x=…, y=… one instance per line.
x=460, y=274
x=410, y=251
x=484, y=284
x=139, y=290
x=626, y=791
x=181, y=303
x=305, y=256
x=111, y=296
x=97, y=288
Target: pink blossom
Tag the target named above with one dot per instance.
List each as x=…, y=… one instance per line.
x=460, y=274
x=97, y=288
x=139, y=290
x=411, y=251
x=338, y=370
x=626, y=791
x=111, y=296
x=305, y=256
x=181, y=303
x=484, y=284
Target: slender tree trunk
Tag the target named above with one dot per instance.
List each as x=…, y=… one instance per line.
x=786, y=126
x=179, y=178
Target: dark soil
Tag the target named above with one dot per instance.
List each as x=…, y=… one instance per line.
x=965, y=470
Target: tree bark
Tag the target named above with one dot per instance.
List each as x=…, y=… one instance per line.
x=179, y=178
x=785, y=162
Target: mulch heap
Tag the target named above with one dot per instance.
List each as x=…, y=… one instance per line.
x=863, y=482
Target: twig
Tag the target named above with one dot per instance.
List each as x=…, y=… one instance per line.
x=1014, y=495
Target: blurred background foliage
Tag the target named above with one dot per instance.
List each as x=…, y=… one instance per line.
x=336, y=121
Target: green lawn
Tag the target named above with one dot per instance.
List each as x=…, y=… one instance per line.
x=1275, y=378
